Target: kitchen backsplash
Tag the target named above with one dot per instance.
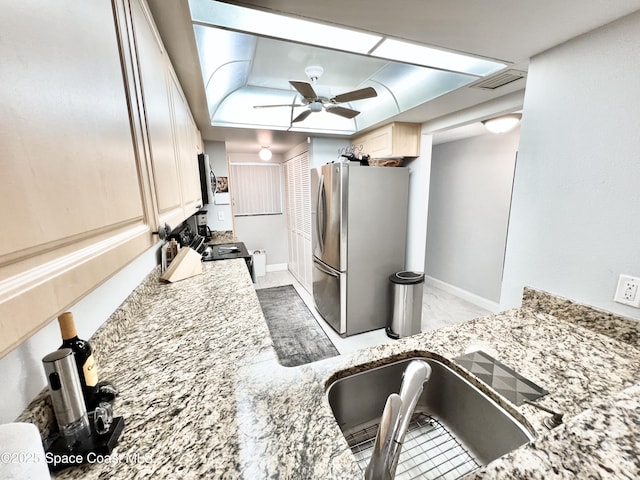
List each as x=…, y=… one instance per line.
x=105, y=342
x=224, y=236
x=616, y=326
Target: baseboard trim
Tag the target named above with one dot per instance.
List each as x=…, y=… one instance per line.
x=490, y=305
x=276, y=267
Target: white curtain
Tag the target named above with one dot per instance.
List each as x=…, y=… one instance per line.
x=256, y=188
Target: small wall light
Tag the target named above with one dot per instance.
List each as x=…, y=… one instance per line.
x=502, y=124
x=265, y=154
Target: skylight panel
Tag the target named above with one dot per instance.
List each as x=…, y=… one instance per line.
x=431, y=57
x=278, y=26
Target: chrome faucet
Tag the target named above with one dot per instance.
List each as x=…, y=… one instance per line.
x=395, y=422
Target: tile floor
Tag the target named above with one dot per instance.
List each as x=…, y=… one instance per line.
x=439, y=309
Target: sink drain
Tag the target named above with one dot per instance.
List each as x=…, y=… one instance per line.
x=429, y=451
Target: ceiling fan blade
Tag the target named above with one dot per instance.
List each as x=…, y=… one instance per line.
x=305, y=89
x=343, y=112
x=361, y=94
x=281, y=105
x=302, y=116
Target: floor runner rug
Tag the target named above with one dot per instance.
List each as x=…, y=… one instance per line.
x=297, y=337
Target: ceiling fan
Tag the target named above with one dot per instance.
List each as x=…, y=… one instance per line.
x=316, y=103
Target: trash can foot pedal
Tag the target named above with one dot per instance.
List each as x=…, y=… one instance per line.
x=390, y=334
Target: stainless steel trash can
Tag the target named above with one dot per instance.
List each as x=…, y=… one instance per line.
x=406, y=312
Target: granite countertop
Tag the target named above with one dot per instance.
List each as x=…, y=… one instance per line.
x=203, y=394
x=219, y=237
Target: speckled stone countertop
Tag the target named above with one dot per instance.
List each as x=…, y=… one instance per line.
x=219, y=237
x=203, y=395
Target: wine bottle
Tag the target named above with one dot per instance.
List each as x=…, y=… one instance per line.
x=87, y=368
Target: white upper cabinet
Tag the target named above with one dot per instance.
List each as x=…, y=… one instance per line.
x=92, y=159
x=173, y=147
x=396, y=139
x=187, y=146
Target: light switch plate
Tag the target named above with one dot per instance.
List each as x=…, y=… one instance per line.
x=628, y=291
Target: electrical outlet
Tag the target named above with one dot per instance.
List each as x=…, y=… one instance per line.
x=221, y=216
x=628, y=291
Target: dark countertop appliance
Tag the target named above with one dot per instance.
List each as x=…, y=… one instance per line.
x=227, y=251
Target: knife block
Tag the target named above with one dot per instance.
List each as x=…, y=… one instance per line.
x=186, y=264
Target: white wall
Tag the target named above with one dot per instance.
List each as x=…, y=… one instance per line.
x=419, y=174
x=325, y=150
x=469, y=202
x=575, y=222
x=218, y=216
x=434, y=132
x=21, y=372
x=265, y=232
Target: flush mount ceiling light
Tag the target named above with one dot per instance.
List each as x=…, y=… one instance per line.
x=265, y=154
x=502, y=124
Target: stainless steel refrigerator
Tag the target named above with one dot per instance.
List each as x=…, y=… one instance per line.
x=359, y=220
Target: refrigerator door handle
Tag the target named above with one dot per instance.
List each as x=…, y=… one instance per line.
x=320, y=217
x=324, y=269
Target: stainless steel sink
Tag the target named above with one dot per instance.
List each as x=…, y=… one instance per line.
x=456, y=428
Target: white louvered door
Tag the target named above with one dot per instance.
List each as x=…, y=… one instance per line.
x=298, y=184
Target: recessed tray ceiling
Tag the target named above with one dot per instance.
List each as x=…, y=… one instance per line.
x=241, y=70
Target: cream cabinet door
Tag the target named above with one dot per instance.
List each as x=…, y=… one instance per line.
x=72, y=203
x=396, y=139
x=172, y=149
x=187, y=147
x=97, y=148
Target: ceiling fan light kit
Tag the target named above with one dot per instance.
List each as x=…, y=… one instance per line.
x=315, y=107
